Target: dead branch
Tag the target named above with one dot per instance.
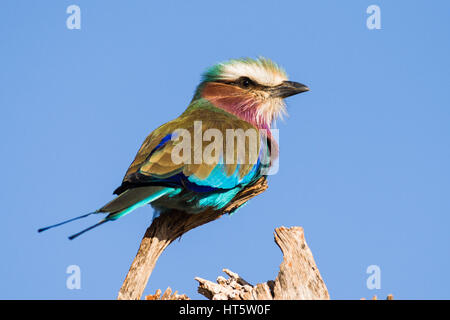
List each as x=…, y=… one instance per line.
x=298, y=278
x=167, y=295
x=166, y=229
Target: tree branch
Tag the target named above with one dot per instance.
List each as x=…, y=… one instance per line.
x=298, y=278
x=166, y=229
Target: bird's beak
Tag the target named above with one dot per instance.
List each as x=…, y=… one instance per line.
x=287, y=89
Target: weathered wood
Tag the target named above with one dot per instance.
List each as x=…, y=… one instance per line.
x=167, y=295
x=166, y=229
x=298, y=278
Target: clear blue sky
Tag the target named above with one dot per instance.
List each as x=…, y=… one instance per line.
x=365, y=155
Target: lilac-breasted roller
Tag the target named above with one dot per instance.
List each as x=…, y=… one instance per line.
x=175, y=169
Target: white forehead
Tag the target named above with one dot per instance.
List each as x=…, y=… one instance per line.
x=262, y=71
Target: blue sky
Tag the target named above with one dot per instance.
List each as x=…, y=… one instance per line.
x=365, y=155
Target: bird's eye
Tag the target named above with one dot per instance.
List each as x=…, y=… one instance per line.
x=245, y=82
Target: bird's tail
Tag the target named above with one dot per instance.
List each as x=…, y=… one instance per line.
x=124, y=204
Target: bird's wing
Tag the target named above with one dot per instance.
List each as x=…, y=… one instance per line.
x=154, y=164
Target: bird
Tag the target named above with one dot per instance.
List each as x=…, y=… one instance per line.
x=173, y=170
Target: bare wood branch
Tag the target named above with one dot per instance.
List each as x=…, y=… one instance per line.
x=167, y=295
x=298, y=278
x=166, y=229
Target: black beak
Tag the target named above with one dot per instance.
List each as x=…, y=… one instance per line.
x=287, y=89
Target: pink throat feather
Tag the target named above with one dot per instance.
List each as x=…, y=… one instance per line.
x=234, y=101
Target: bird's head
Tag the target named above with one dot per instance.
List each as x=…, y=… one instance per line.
x=252, y=89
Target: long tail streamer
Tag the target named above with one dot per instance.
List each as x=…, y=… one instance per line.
x=67, y=221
